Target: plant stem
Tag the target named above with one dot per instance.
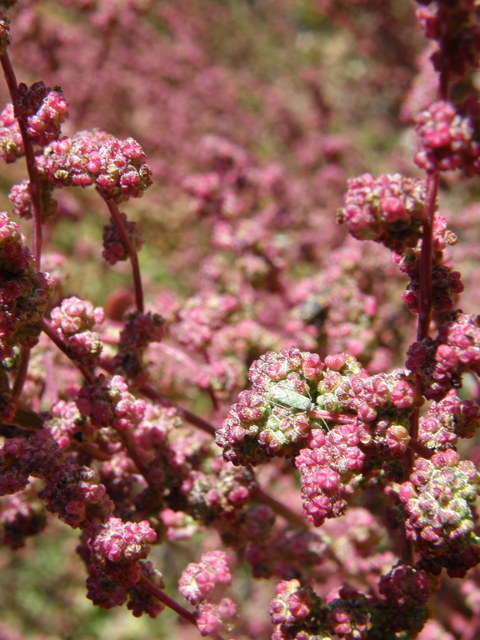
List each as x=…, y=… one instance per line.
x=34, y=186
x=132, y=252
x=21, y=374
x=295, y=519
x=187, y=415
x=167, y=600
x=426, y=257
x=47, y=329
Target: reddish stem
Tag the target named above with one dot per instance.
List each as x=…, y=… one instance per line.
x=420, y=449
x=167, y=600
x=47, y=329
x=187, y=415
x=426, y=257
x=35, y=191
x=21, y=374
x=172, y=604
x=132, y=252
x=295, y=519
x=126, y=438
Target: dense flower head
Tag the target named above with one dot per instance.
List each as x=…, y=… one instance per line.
x=38, y=456
x=116, y=167
x=108, y=403
x=140, y=599
x=389, y=210
x=201, y=317
x=11, y=142
x=440, y=362
x=293, y=392
x=454, y=27
x=24, y=292
x=114, y=248
x=437, y=500
x=65, y=422
x=42, y=110
x=76, y=495
x=213, y=618
x=21, y=515
x=121, y=542
x=73, y=321
x=408, y=585
x=219, y=499
x=446, y=283
x=21, y=199
x=326, y=471
x=448, y=420
x=200, y=579
x=450, y=137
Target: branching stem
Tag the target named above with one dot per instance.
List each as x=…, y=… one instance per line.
x=132, y=252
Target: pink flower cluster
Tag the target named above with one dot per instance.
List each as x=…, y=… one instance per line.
x=389, y=210
x=437, y=500
x=440, y=362
x=11, y=143
x=109, y=404
x=293, y=390
x=450, y=137
x=198, y=584
x=73, y=321
x=112, y=551
x=116, y=167
x=327, y=471
x=42, y=110
x=448, y=420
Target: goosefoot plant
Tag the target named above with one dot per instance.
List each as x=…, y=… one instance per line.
x=113, y=456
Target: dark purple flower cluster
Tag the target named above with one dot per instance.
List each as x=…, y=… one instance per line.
x=42, y=110
x=140, y=330
x=453, y=25
x=109, y=403
x=114, y=248
x=112, y=551
x=116, y=167
x=24, y=291
x=389, y=210
x=440, y=362
x=437, y=500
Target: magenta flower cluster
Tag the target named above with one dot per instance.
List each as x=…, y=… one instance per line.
x=120, y=420
x=116, y=167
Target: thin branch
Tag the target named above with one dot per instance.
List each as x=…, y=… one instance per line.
x=295, y=519
x=187, y=415
x=167, y=600
x=132, y=252
x=35, y=191
x=21, y=373
x=426, y=257
x=47, y=329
